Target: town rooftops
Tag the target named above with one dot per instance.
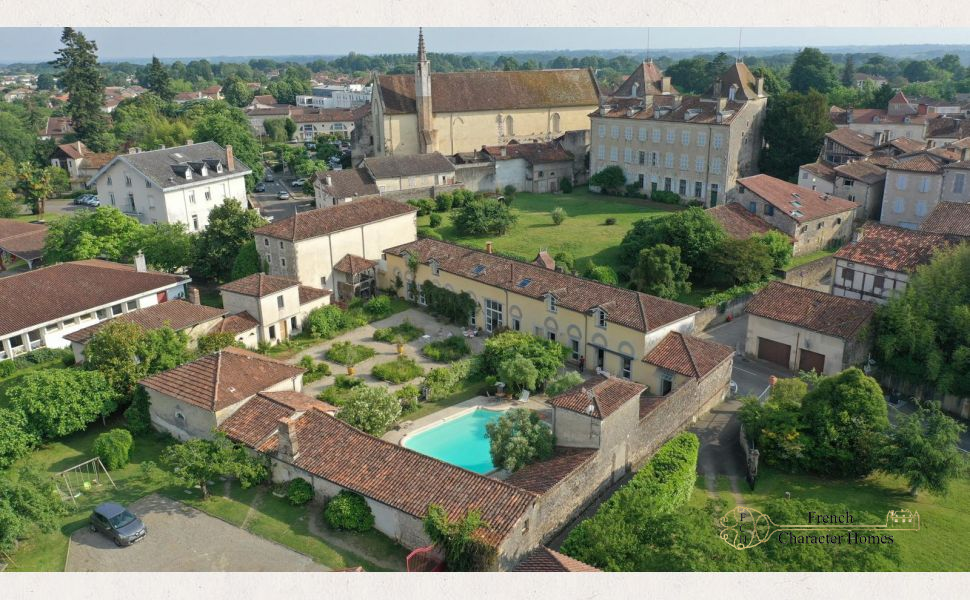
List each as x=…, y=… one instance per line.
x=738, y=75
x=51, y=293
x=948, y=128
x=383, y=167
x=801, y=204
x=688, y=355
x=324, y=221
x=323, y=115
x=924, y=161
x=309, y=294
x=267, y=99
x=892, y=248
x=255, y=421
x=809, y=309
x=678, y=109
x=846, y=117
x=598, y=397
x=950, y=218
x=821, y=169
x=347, y=183
x=394, y=475
x=492, y=90
x=177, y=314
x=57, y=127
x=353, y=264
x=221, y=379
x=534, y=153
x=863, y=170
x=628, y=308
x=646, y=79
x=738, y=222
x=545, y=560
x=181, y=165
x=259, y=285
x=858, y=142
x=23, y=240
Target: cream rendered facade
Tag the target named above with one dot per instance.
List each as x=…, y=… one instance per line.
x=620, y=348
x=469, y=131
x=839, y=353
x=311, y=260
x=280, y=314
x=909, y=197
x=134, y=194
x=394, y=184
x=695, y=160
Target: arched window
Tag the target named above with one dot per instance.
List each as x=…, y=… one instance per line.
x=509, y=131
x=555, y=122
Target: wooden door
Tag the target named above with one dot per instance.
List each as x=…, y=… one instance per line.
x=774, y=352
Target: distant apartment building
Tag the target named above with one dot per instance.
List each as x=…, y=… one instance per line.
x=335, y=95
x=695, y=146
x=901, y=118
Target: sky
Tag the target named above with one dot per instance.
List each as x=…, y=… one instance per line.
x=37, y=44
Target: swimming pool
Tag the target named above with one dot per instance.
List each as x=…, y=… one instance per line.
x=460, y=441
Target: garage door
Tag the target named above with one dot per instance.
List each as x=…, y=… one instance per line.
x=773, y=351
x=811, y=360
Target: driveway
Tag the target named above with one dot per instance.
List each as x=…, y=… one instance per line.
x=181, y=538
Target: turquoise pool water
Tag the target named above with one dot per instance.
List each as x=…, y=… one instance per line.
x=460, y=441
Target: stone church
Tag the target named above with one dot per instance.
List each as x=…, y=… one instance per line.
x=461, y=112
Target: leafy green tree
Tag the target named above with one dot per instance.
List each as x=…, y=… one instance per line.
x=519, y=438
x=740, y=262
x=28, y=502
x=17, y=140
x=124, y=353
x=197, y=461
x=693, y=231
x=547, y=356
x=45, y=81
x=276, y=129
x=660, y=272
x=230, y=228
x=113, y=448
x=35, y=185
x=159, y=81
x=236, y=92
x=610, y=179
x=456, y=538
x=882, y=96
x=369, y=408
x=773, y=83
x=848, y=72
x=920, y=70
x=924, y=449
x=689, y=75
x=795, y=126
x=167, y=246
x=16, y=439
x=518, y=373
x=59, y=402
x=812, y=70
x=484, y=216
x=775, y=427
x=247, y=262
x=845, y=422
x=147, y=121
x=213, y=342
x=226, y=125
x=104, y=232
x=603, y=274
x=779, y=247
x=81, y=76
x=558, y=215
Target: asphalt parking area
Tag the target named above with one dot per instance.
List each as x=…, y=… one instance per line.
x=181, y=538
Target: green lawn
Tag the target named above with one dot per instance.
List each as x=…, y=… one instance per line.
x=940, y=545
x=584, y=233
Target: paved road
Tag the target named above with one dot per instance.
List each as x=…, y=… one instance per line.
x=181, y=538
x=271, y=207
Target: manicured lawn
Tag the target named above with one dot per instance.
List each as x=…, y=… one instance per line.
x=584, y=233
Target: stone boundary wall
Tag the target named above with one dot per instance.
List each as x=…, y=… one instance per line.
x=422, y=192
x=815, y=275
x=713, y=316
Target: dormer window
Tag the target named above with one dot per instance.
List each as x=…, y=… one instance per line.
x=434, y=267
x=188, y=173
x=601, y=318
x=551, y=302
x=219, y=168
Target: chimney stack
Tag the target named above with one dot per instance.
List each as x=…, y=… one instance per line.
x=488, y=247
x=329, y=180
x=289, y=445
x=665, y=86
x=761, y=86
x=194, y=296
x=877, y=138
x=717, y=88
x=965, y=154
x=857, y=235
x=140, y=263
x=604, y=109
x=887, y=136
x=230, y=159
x=850, y=116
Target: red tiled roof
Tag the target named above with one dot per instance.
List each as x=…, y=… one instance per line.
x=257, y=420
x=950, y=218
x=533, y=153
x=75, y=149
x=323, y=115
x=604, y=394
x=354, y=264
x=348, y=183
x=628, y=308
x=784, y=196
x=862, y=170
x=324, y=221
x=821, y=169
x=920, y=162
x=739, y=222
x=540, y=477
x=70, y=288
x=492, y=90
x=237, y=323
x=544, y=260
x=177, y=314
x=544, y=560
x=399, y=477
x=892, y=248
x=688, y=355
x=222, y=379
x=23, y=240
x=648, y=78
x=875, y=115
x=309, y=294
x=267, y=99
x=259, y=285
x=812, y=310
x=58, y=126
x=856, y=141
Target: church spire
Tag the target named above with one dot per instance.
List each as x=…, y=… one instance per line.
x=422, y=56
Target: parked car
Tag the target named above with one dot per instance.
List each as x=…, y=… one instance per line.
x=283, y=195
x=310, y=146
x=269, y=177
x=260, y=187
x=118, y=524
x=298, y=182
x=86, y=200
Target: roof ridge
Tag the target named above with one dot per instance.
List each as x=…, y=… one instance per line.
x=215, y=380
x=690, y=354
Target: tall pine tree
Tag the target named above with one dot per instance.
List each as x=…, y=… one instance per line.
x=158, y=80
x=80, y=75
x=848, y=72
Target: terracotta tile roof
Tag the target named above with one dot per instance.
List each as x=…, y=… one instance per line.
x=347, y=183
x=812, y=310
x=23, y=240
x=75, y=149
x=353, y=264
x=96, y=160
x=690, y=109
x=862, y=170
x=821, y=169
x=540, y=477
x=801, y=204
x=688, y=355
x=739, y=222
x=919, y=162
x=259, y=285
x=648, y=404
x=840, y=117
x=738, y=74
x=255, y=421
x=544, y=560
x=58, y=127
x=309, y=294
x=533, y=153
x=951, y=218
x=624, y=307
x=544, y=260
x=268, y=99
x=604, y=394
x=70, y=288
x=221, y=379
x=237, y=323
x=948, y=127
x=382, y=167
x=905, y=145
x=399, y=477
x=492, y=90
x=856, y=141
x=892, y=248
x=177, y=314
x=270, y=112
x=648, y=78
x=324, y=221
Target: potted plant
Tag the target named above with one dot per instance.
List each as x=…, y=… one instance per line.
x=399, y=341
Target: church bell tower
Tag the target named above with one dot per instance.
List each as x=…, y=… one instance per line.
x=427, y=136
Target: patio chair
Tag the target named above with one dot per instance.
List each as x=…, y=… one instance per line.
x=523, y=396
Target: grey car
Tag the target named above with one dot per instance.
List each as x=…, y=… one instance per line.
x=116, y=522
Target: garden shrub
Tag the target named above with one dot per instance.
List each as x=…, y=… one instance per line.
x=213, y=342
x=113, y=448
x=463, y=550
x=567, y=381
x=399, y=370
x=731, y=293
x=378, y=307
x=314, y=369
x=328, y=321
x=408, y=396
x=425, y=206
x=455, y=307
x=427, y=232
x=603, y=274
x=299, y=491
x=566, y=185
x=406, y=332
x=16, y=440
x=62, y=401
x=447, y=350
x=609, y=179
x=633, y=190
x=349, y=354
x=435, y=220
x=611, y=220
x=558, y=215
x=518, y=373
x=342, y=385
x=442, y=381
x=7, y=368
x=565, y=260
x=665, y=197
x=443, y=203
x=137, y=416
x=349, y=512
x=547, y=356
x=519, y=438
x=484, y=216
x=370, y=408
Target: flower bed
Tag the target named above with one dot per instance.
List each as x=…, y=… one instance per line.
x=447, y=350
x=399, y=370
x=349, y=354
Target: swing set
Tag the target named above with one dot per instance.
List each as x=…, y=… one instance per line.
x=81, y=478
